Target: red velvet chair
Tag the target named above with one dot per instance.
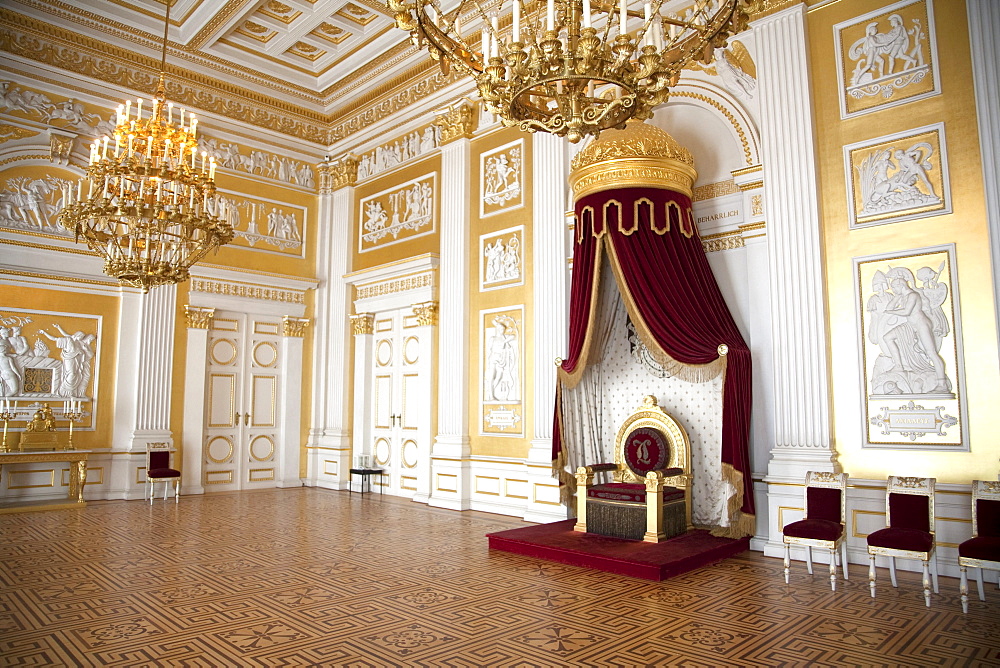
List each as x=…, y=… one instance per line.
x=649, y=498
x=983, y=549
x=824, y=522
x=909, y=512
x=158, y=469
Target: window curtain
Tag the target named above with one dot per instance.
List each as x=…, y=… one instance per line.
x=649, y=238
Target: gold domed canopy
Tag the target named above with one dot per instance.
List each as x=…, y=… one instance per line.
x=641, y=155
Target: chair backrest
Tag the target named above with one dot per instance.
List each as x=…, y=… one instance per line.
x=158, y=456
x=909, y=503
x=650, y=439
x=986, y=508
x=826, y=496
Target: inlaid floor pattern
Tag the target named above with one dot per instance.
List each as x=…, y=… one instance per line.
x=317, y=577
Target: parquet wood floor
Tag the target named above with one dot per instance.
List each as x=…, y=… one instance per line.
x=316, y=577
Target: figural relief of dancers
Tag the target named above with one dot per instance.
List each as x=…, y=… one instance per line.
x=896, y=179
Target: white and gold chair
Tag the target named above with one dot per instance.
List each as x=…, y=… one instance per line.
x=909, y=514
x=158, y=469
x=649, y=497
x=983, y=549
x=824, y=522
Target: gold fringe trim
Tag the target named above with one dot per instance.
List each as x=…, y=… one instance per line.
x=567, y=481
x=740, y=524
x=691, y=373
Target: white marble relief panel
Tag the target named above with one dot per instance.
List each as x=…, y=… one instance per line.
x=911, y=344
x=397, y=152
x=898, y=177
x=48, y=358
x=262, y=224
x=887, y=57
x=501, y=179
x=31, y=203
x=501, y=259
x=502, y=371
x=400, y=213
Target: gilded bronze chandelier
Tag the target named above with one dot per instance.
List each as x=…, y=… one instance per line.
x=570, y=67
x=147, y=205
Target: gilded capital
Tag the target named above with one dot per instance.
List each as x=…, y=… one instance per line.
x=458, y=122
x=199, y=317
x=60, y=147
x=344, y=172
x=363, y=323
x=294, y=326
x=427, y=313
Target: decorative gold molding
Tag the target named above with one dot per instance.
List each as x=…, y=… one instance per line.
x=60, y=148
x=397, y=285
x=722, y=241
x=725, y=112
x=757, y=205
x=458, y=122
x=54, y=278
x=248, y=290
x=10, y=132
x=746, y=170
x=198, y=317
x=751, y=185
x=363, y=323
x=758, y=9
x=344, y=172
x=713, y=190
x=23, y=158
x=294, y=326
x=427, y=313
x=46, y=247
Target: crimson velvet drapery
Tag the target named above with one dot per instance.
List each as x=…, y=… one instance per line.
x=649, y=236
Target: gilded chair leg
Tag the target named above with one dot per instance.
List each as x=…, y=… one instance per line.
x=833, y=568
x=843, y=558
x=892, y=570
x=926, y=581
x=979, y=582
x=871, y=575
x=787, y=563
x=177, y=492
x=934, y=572
x=809, y=559
x=963, y=587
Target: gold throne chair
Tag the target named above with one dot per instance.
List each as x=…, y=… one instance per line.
x=649, y=497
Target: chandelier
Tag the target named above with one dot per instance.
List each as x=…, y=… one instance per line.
x=570, y=67
x=147, y=204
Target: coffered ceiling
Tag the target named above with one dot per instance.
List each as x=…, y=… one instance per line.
x=317, y=57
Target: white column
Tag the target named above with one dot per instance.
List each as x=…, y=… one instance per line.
x=328, y=434
x=450, y=478
x=293, y=329
x=801, y=405
x=199, y=322
x=549, y=316
x=984, y=39
x=144, y=379
x=801, y=418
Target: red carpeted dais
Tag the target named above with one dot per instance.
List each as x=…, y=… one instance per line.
x=650, y=561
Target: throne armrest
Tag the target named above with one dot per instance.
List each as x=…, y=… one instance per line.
x=596, y=468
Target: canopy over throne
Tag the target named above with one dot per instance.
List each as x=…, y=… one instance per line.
x=650, y=495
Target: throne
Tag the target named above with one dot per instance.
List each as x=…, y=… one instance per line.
x=649, y=497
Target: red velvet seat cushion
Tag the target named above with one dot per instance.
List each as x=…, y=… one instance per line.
x=988, y=517
x=814, y=529
x=823, y=503
x=163, y=473
x=902, y=539
x=909, y=511
x=981, y=547
x=629, y=491
x=646, y=449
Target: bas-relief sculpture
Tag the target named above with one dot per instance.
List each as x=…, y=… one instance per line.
x=397, y=214
x=501, y=258
x=896, y=178
x=33, y=373
x=501, y=178
x=502, y=371
x=912, y=349
x=261, y=223
x=395, y=153
x=887, y=57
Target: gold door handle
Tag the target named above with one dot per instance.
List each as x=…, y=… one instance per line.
x=236, y=419
x=246, y=418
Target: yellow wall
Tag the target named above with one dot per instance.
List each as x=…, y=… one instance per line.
x=966, y=227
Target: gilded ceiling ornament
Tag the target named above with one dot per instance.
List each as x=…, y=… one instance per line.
x=60, y=148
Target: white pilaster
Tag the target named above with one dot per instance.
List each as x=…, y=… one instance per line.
x=328, y=434
x=364, y=350
x=199, y=321
x=291, y=411
x=145, y=375
x=450, y=479
x=801, y=402
x=984, y=40
x=426, y=333
x=549, y=316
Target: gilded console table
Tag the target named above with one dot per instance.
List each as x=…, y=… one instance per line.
x=77, y=476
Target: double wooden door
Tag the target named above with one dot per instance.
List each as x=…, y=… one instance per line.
x=242, y=431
